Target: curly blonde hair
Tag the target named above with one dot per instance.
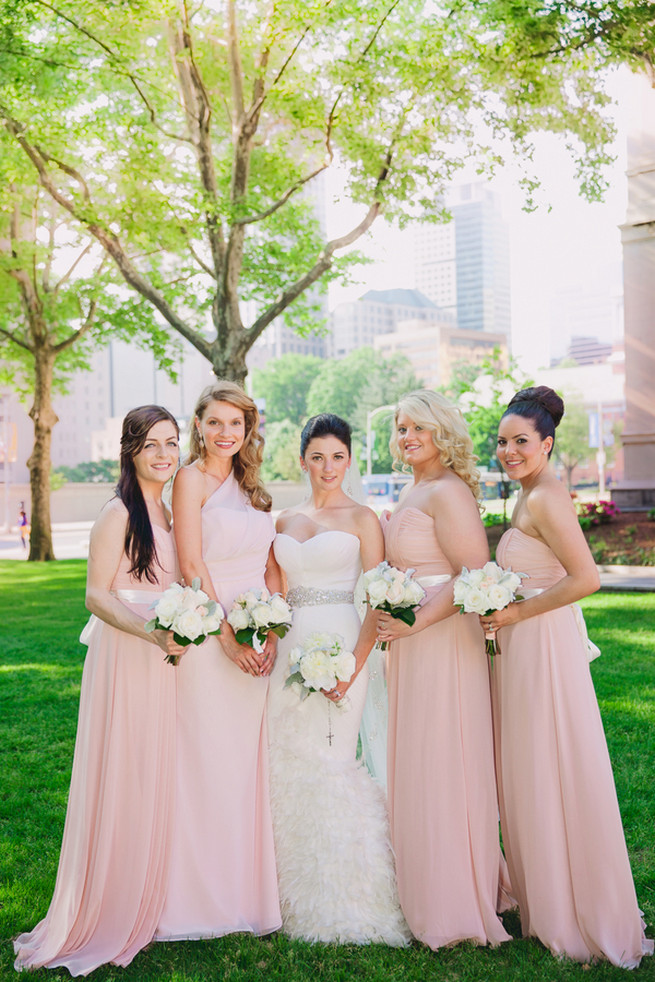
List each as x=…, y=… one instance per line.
x=248, y=461
x=450, y=436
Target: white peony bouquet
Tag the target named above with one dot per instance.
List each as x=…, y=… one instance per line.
x=481, y=591
x=393, y=591
x=188, y=612
x=320, y=662
x=255, y=613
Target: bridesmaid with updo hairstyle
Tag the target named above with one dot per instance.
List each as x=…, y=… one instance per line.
x=560, y=817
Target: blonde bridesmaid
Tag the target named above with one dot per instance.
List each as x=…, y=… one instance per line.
x=442, y=788
x=223, y=875
x=115, y=853
x=559, y=812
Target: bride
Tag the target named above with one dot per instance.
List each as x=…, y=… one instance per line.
x=335, y=865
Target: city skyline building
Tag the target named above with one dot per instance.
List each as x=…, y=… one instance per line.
x=464, y=266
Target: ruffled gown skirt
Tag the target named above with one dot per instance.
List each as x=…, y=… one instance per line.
x=335, y=863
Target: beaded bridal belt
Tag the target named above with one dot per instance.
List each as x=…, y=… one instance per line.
x=309, y=596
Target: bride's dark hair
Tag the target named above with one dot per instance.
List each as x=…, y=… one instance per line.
x=542, y=406
x=140, y=545
x=325, y=424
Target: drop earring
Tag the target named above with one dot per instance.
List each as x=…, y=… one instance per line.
x=349, y=489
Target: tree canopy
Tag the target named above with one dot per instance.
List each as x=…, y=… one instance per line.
x=191, y=140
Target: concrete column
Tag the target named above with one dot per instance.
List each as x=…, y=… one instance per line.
x=637, y=491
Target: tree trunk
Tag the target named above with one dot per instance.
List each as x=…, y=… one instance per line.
x=44, y=418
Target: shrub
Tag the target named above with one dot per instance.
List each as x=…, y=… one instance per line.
x=596, y=513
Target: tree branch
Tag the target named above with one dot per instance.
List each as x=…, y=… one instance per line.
x=11, y=336
x=67, y=275
x=81, y=331
x=107, y=239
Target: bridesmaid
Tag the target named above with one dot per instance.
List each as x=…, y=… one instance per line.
x=442, y=790
x=559, y=813
x=115, y=852
x=223, y=876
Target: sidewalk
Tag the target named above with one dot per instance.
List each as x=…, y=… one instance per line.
x=71, y=541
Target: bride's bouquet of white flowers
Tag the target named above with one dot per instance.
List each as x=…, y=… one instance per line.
x=482, y=591
x=393, y=591
x=320, y=662
x=188, y=612
x=255, y=613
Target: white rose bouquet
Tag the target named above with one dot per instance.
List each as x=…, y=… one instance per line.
x=255, y=613
x=481, y=591
x=393, y=591
x=188, y=612
x=320, y=662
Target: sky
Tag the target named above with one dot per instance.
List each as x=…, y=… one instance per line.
x=568, y=248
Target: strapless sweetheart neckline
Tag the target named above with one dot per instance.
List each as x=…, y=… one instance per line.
x=302, y=542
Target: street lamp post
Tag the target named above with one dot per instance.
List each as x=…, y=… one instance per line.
x=369, y=448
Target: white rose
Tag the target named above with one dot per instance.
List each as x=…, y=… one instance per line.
x=188, y=624
x=261, y=615
x=396, y=593
x=499, y=596
x=377, y=592
x=414, y=593
x=344, y=665
x=475, y=577
x=166, y=609
x=493, y=571
x=212, y=622
x=238, y=618
x=475, y=602
x=511, y=580
x=250, y=599
x=280, y=609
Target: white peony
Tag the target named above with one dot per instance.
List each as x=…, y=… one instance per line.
x=316, y=669
x=493, y=571
x=475, y=577
x=344, y=665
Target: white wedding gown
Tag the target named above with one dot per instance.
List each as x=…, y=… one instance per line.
x=335, y=865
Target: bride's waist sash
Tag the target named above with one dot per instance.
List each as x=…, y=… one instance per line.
x=309, y=596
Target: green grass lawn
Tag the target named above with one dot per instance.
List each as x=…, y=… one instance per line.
x=40, y=670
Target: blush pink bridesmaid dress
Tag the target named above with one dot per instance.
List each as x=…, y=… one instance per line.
x=115, y=853
x=223, y=875
x=560, y=817
x=442, y=786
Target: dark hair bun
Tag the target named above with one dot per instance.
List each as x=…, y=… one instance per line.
x=543, y=396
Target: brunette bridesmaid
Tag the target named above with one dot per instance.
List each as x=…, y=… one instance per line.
x=559, y=812
x=116, y=849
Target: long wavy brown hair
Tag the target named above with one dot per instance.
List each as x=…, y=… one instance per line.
x=248, y=461
x=450, y=436
x=140, y=545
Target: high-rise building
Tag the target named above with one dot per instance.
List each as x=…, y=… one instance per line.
x=463, y=266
